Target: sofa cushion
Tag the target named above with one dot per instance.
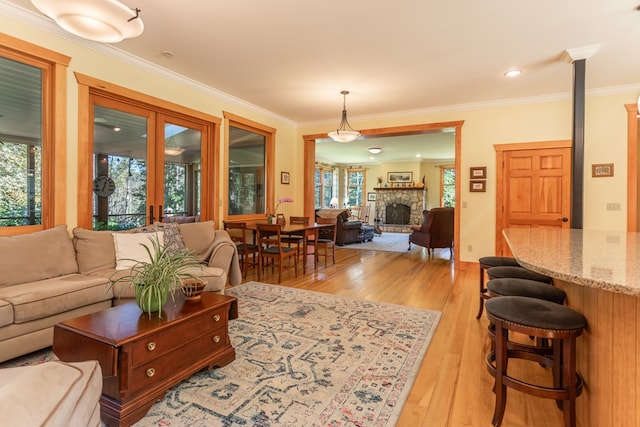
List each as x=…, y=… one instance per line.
x=94, y=250
x=6, y=313
x=130, y=247
x=198, y=237
x=45, y=298
x=48, y=394
x=36, y=256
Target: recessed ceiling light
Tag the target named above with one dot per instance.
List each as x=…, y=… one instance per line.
x=512, y=73
x=375, y=150
x=418, y=155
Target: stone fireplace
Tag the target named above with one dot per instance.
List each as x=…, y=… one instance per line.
x=397, y=208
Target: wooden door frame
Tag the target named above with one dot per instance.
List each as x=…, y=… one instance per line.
x=632, y=167
x=501, y=149
x=310, y=160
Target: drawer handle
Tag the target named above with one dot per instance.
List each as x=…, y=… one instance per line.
x=151, y=346
x=151, y=372
x=216, y=318
x=216, y=338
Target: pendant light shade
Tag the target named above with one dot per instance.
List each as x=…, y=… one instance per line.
x=344, y=133
x=107, y=21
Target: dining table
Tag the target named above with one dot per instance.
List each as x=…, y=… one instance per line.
x=306, y=231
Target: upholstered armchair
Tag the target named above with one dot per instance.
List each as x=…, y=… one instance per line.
x=346, y=231
x=436, y=230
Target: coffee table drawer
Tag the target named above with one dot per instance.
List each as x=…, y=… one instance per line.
x=156, y=345
x=181, y=358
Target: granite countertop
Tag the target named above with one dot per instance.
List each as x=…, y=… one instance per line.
x=608, y=260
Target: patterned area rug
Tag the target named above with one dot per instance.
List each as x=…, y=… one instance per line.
x=304, y=359
x=390, y=242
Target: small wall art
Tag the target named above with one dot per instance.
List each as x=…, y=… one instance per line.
x=285, y=178
x=478, y=172
x=371, y=197
x=601, y=170
x=477, y=186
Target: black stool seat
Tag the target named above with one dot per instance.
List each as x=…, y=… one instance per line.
x=525, y=288
x=502, y=272
x=488, y=262
x=498, y=261
x=540, y=319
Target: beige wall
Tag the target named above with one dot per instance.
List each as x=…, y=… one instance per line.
x=605, y=142
x=483, y=127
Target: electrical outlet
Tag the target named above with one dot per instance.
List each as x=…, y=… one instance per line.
x=469, y=248
x=464, y=204
x=611, y=206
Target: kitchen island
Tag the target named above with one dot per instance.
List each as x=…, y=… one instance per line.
x=600, y=272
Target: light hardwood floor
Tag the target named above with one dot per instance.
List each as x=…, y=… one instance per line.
x=453, y=387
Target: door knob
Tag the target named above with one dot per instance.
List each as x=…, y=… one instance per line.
x=563, y=219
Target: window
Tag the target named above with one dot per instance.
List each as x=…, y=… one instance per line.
x=448, y=186
x=146, y=159
x=356, y=185
x=323, y=185
x=32, y=143
x=249, y=168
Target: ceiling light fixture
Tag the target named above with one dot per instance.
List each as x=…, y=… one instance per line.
x=375, y=150
x=107, y=21
x=344, y=133
x=173, y=151
x=512, y=73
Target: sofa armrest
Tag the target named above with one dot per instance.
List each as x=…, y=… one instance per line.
x=224, y=255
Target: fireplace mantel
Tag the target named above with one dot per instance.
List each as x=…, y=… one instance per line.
x=399, y=188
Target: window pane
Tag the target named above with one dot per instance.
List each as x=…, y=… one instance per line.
x=247, y=161
x=318, y=187
x=449, y=187
x=328, y=187
x=120, y=170
x=182, y=156
x=355, y=196
x=21, y=144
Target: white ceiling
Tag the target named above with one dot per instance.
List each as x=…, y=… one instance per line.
x=292, y=58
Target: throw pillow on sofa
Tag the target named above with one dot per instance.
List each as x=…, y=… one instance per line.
x=130, y=250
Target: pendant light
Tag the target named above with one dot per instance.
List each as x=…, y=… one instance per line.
x=107, y=21
x=344, y=133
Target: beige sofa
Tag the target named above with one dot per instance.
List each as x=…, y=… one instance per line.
x=48, y=277
x=54, y=393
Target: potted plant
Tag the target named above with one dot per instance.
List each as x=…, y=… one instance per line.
x=162, y=275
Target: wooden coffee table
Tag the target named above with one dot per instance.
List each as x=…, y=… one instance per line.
x=140, y=357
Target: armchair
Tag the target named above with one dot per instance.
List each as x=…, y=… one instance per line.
x=436, y=230
x=346, y=231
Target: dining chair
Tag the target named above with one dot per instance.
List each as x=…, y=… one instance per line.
x=270, y=246
x=295, y=239
x=238, y=233
x=326, y=240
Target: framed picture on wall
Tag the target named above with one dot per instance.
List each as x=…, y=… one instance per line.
x=478, y=172
x=477, y=186
x=371, y=197
x=285, y=178
x=399, y=177
x=601, y=170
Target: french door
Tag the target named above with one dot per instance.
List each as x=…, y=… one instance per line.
x=146, y=164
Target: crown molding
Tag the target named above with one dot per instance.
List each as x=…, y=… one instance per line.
x=45, y=24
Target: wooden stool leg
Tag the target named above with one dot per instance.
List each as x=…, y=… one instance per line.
x=501, y=370
x=482, y=291
x=569, y=381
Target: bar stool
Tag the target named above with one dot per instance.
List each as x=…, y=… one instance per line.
x=545, y=320
x=503, y=272
x=525, y=288
x=486, y=263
